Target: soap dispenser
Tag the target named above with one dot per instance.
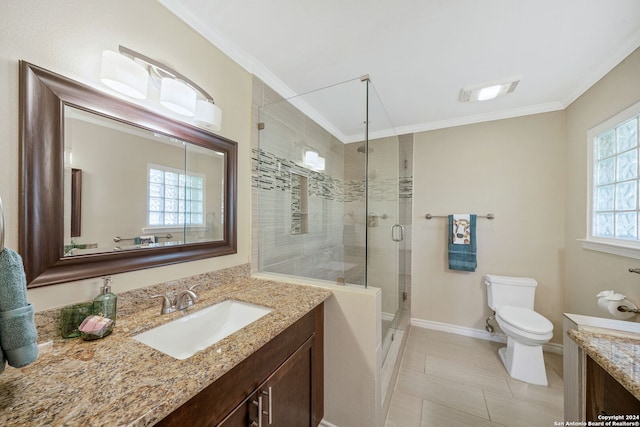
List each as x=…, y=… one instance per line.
x=106, y=303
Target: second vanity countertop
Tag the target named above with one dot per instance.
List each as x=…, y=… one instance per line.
x=118, y=381
x=617, y=352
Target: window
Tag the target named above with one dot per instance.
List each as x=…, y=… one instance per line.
x=615, y=182
x=175, y=198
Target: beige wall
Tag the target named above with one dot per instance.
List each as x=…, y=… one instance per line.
x=67, y=37
x=588, y=272
x=513, y=168
x=532, y=173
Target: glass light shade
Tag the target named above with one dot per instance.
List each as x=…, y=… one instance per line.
x=208, y=115
x=310, y=158
x=177, y=96
x=313, y=160
x=124, y=75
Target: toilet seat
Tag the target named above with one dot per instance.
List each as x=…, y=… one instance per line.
x=525, y=320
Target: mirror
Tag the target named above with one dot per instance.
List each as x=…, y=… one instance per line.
x=140, y=189
x=109, y=187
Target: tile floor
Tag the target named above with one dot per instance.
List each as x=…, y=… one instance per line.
x=451, y=380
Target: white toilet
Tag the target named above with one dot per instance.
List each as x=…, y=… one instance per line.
x=512, y=300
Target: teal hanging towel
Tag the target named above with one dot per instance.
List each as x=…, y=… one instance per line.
x=18, y=333
x=462, y=242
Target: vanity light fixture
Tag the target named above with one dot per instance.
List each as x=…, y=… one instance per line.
x=488, y=91
x=314, y=160
x=178, y=96
x=208, y=114
x=124, y=75
x=128, y=72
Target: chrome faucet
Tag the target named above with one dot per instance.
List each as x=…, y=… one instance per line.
x=172, y=302
x=185, y=298
x=168, y=302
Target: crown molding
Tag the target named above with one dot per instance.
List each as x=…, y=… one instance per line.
x=255, y=67
x=250, y=64
x=480, y=118
x=461, y=121
x=603, y=69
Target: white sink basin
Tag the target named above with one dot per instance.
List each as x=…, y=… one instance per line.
x=184, y=337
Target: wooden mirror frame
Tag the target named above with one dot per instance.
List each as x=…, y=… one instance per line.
x=43, y=96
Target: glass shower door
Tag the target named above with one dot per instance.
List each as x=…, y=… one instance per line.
x=385, y=232
x=338, y=220
x=310, y=207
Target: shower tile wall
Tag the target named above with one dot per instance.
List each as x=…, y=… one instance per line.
x=335, y=243
x=277, y=152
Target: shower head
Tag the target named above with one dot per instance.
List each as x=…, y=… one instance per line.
x=361, y=149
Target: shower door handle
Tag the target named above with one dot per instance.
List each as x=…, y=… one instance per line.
x=393, y=233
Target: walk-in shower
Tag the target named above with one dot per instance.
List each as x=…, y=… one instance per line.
x=332, y=185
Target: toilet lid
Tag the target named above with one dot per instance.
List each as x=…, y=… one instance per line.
x=525, y=319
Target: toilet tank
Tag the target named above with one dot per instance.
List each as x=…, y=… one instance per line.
x=507, y=290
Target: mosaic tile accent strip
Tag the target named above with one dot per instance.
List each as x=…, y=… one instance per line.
x=271, y=172
x=406, y=187
x=354, y=191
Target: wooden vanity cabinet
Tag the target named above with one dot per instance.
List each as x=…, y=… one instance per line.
x=288, y=370
x=283, y=400
x=606, y=396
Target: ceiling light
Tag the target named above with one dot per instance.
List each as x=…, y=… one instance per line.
x=310, y=158
x=128, y=72
x=124, y=75
x=313, y=160
x=178, y=97
x=488, y=91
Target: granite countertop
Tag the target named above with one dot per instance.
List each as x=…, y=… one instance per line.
x=118, y=381
x=617, y=353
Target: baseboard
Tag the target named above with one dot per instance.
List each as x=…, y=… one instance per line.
x=388, y=316
x=475, y=333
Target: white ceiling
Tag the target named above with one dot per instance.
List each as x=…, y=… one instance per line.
x=420, y=53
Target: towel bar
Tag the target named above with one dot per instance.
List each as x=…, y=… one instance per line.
x=488, y=216
x=1, y=226
x=118, y=238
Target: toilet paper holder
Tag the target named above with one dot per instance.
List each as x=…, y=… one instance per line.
x=625, y=309
x=617, y=304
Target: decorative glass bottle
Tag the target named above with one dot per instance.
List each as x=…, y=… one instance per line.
x=106, y=303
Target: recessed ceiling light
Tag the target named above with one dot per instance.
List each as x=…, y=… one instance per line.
x=488, y=91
